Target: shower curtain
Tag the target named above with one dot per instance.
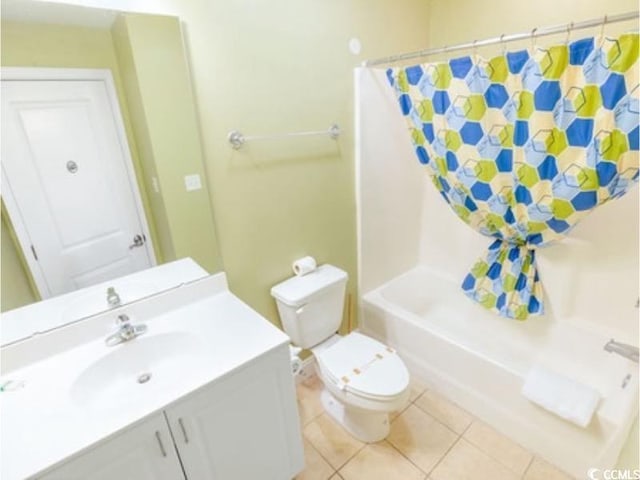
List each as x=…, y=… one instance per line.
x=522, y=147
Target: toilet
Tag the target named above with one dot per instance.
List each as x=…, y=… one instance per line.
x=364, y=380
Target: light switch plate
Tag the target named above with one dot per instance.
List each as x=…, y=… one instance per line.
x=192, y=182
x=155, y=184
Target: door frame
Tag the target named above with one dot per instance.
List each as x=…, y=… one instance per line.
x=71, y=74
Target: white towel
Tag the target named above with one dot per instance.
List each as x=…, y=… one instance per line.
x=563, y=396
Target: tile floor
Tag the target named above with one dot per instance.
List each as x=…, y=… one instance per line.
x=431, y=439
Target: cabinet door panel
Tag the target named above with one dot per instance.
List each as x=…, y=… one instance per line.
x=134, y=454
x=243, y=427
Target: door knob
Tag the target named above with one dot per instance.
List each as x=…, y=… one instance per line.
x=138, y=241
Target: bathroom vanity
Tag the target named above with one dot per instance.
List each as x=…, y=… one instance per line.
x=206, y=392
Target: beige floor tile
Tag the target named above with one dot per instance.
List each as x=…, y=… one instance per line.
x=467, y=462
x=337, y=476
x=331, y=440
x=309, y=405
x=315, y=467
x=396, y=414
x=421, y=438
x=380, y=461
x=496, y=445
x=442, y=409
x=417, y=388
x=541, y=470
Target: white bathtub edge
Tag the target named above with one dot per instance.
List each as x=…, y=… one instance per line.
x=527, y=429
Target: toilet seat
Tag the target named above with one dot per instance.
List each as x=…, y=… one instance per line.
x=365, y=368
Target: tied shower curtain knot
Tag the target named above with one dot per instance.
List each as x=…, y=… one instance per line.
x=522, y=147
x=506, y=280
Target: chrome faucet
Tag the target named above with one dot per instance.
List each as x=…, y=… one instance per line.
x=125, y=332
x=113, y=299
x=622, y=349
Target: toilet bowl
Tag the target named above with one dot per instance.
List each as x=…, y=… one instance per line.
x=364, y=380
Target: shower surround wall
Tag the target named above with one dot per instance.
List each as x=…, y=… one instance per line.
x=413, y=255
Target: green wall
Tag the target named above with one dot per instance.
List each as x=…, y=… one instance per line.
x=275, y=67
x=158, y=89
x=16, y=289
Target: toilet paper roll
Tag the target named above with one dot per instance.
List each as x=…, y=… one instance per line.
x=304, y=265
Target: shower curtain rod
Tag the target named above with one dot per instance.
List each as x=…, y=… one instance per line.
x=533, y=34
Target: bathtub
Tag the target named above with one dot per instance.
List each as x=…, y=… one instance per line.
x=480, y=361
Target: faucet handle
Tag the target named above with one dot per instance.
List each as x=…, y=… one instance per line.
x=113, y=299
x=122, y=318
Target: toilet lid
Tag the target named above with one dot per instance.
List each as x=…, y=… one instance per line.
x=363, y=365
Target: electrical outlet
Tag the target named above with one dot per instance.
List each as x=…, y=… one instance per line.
x=192, y=182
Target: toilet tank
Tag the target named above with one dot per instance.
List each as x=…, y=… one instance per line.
x=311, y=305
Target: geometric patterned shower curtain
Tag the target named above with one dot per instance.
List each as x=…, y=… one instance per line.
x=523, y=147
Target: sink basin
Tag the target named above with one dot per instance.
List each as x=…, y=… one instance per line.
x=141, y=366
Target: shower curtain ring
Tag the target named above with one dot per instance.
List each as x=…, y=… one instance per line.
x=504, y=45
x=533, y=39
x=604, y=23
x=569, y=28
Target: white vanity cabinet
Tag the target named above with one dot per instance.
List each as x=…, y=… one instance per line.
x=243, y=426
x=142, y=452
x=206, y=393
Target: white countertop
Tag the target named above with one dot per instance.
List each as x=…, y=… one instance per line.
x=44, y=423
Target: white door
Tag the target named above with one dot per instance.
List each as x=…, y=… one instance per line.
x=244, y=427
x=142, y=452
x=68, y=183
